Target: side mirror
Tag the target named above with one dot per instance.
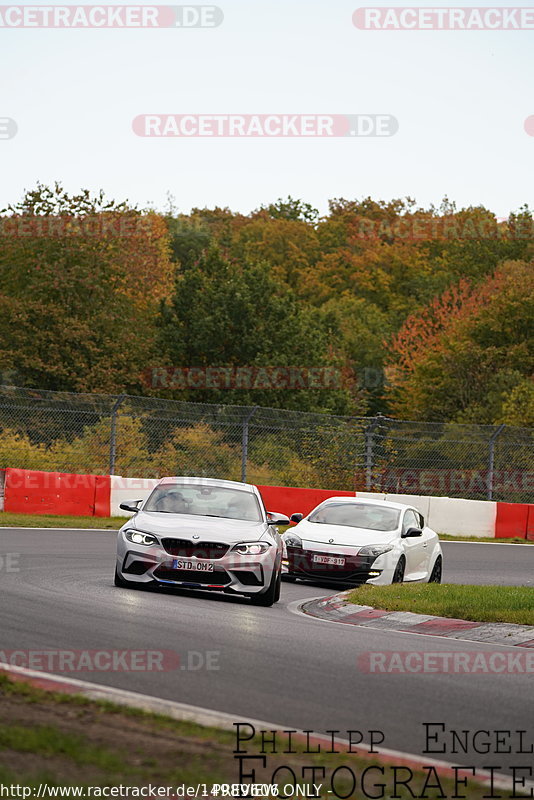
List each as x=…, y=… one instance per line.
x=296, y=517
x=411, y=533
x=131, y=505
x=275, y=518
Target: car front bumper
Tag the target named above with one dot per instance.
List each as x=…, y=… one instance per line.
x=231, y=572
x=300, y=563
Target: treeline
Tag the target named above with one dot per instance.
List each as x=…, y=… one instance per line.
x=419, y=313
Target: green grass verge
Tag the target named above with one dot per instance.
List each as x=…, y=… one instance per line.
x=445, y=537
x=68, y=740
x=478, y=603
x=9, y=520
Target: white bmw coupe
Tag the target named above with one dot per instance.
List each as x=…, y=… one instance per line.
x=355, y=541
x=202, y=533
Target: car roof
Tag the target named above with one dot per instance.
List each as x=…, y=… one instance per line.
x=368, y=501
x=244, y=487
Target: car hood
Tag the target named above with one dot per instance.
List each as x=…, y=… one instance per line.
x=341, y=534
x=185, y=526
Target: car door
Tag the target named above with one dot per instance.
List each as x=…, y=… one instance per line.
x=429, y=541
x=414, y=548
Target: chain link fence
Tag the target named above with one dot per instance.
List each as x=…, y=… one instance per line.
x=150, y=437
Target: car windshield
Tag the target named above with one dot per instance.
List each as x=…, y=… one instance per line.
x=357, y=515
x=204, y=501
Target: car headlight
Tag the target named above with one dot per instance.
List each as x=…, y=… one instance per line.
x=139, y=537
x=251, y=548
x=292, y=540
x=375, y=550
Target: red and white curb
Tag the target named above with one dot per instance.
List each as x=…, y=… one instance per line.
x=337, y=609
x=218, y=719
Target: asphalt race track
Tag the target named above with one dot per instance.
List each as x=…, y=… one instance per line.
x=274, y=664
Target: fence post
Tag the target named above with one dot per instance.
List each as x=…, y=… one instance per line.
x=491, y=461
x=369, y=454
x=113, y=434
x=244, y=444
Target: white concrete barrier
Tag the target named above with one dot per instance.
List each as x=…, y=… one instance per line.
x=124, y=489
x=420, y=502
x=462, y=517
x=450, y=515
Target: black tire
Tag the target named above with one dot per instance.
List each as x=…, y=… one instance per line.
x=272, y=595
x=398, y=575
x=437, y=571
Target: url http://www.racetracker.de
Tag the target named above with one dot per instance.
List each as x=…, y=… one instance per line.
x=182, y=792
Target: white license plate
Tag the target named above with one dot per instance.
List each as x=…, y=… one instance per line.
x=194, y=566
x=330, y=560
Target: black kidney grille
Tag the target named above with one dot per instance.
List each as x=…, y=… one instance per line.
x=188, y=549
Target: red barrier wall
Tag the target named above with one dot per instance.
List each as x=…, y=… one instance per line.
x=512, y=520
x=288, y=500
x=102, y=503
x=34, y=492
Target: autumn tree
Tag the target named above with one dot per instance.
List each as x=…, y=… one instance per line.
x=81, y=279
x=469, y=353
x=230, y=313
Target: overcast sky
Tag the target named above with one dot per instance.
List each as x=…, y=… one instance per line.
x=461, y=99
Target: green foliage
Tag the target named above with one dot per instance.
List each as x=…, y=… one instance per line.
x=17, y=450
x=78, y=307
x=423, y=296
x=468, y=368
x=518, y=407
x=198, y=450
x=292, y=209
x=276, y=463
x=229, y=313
